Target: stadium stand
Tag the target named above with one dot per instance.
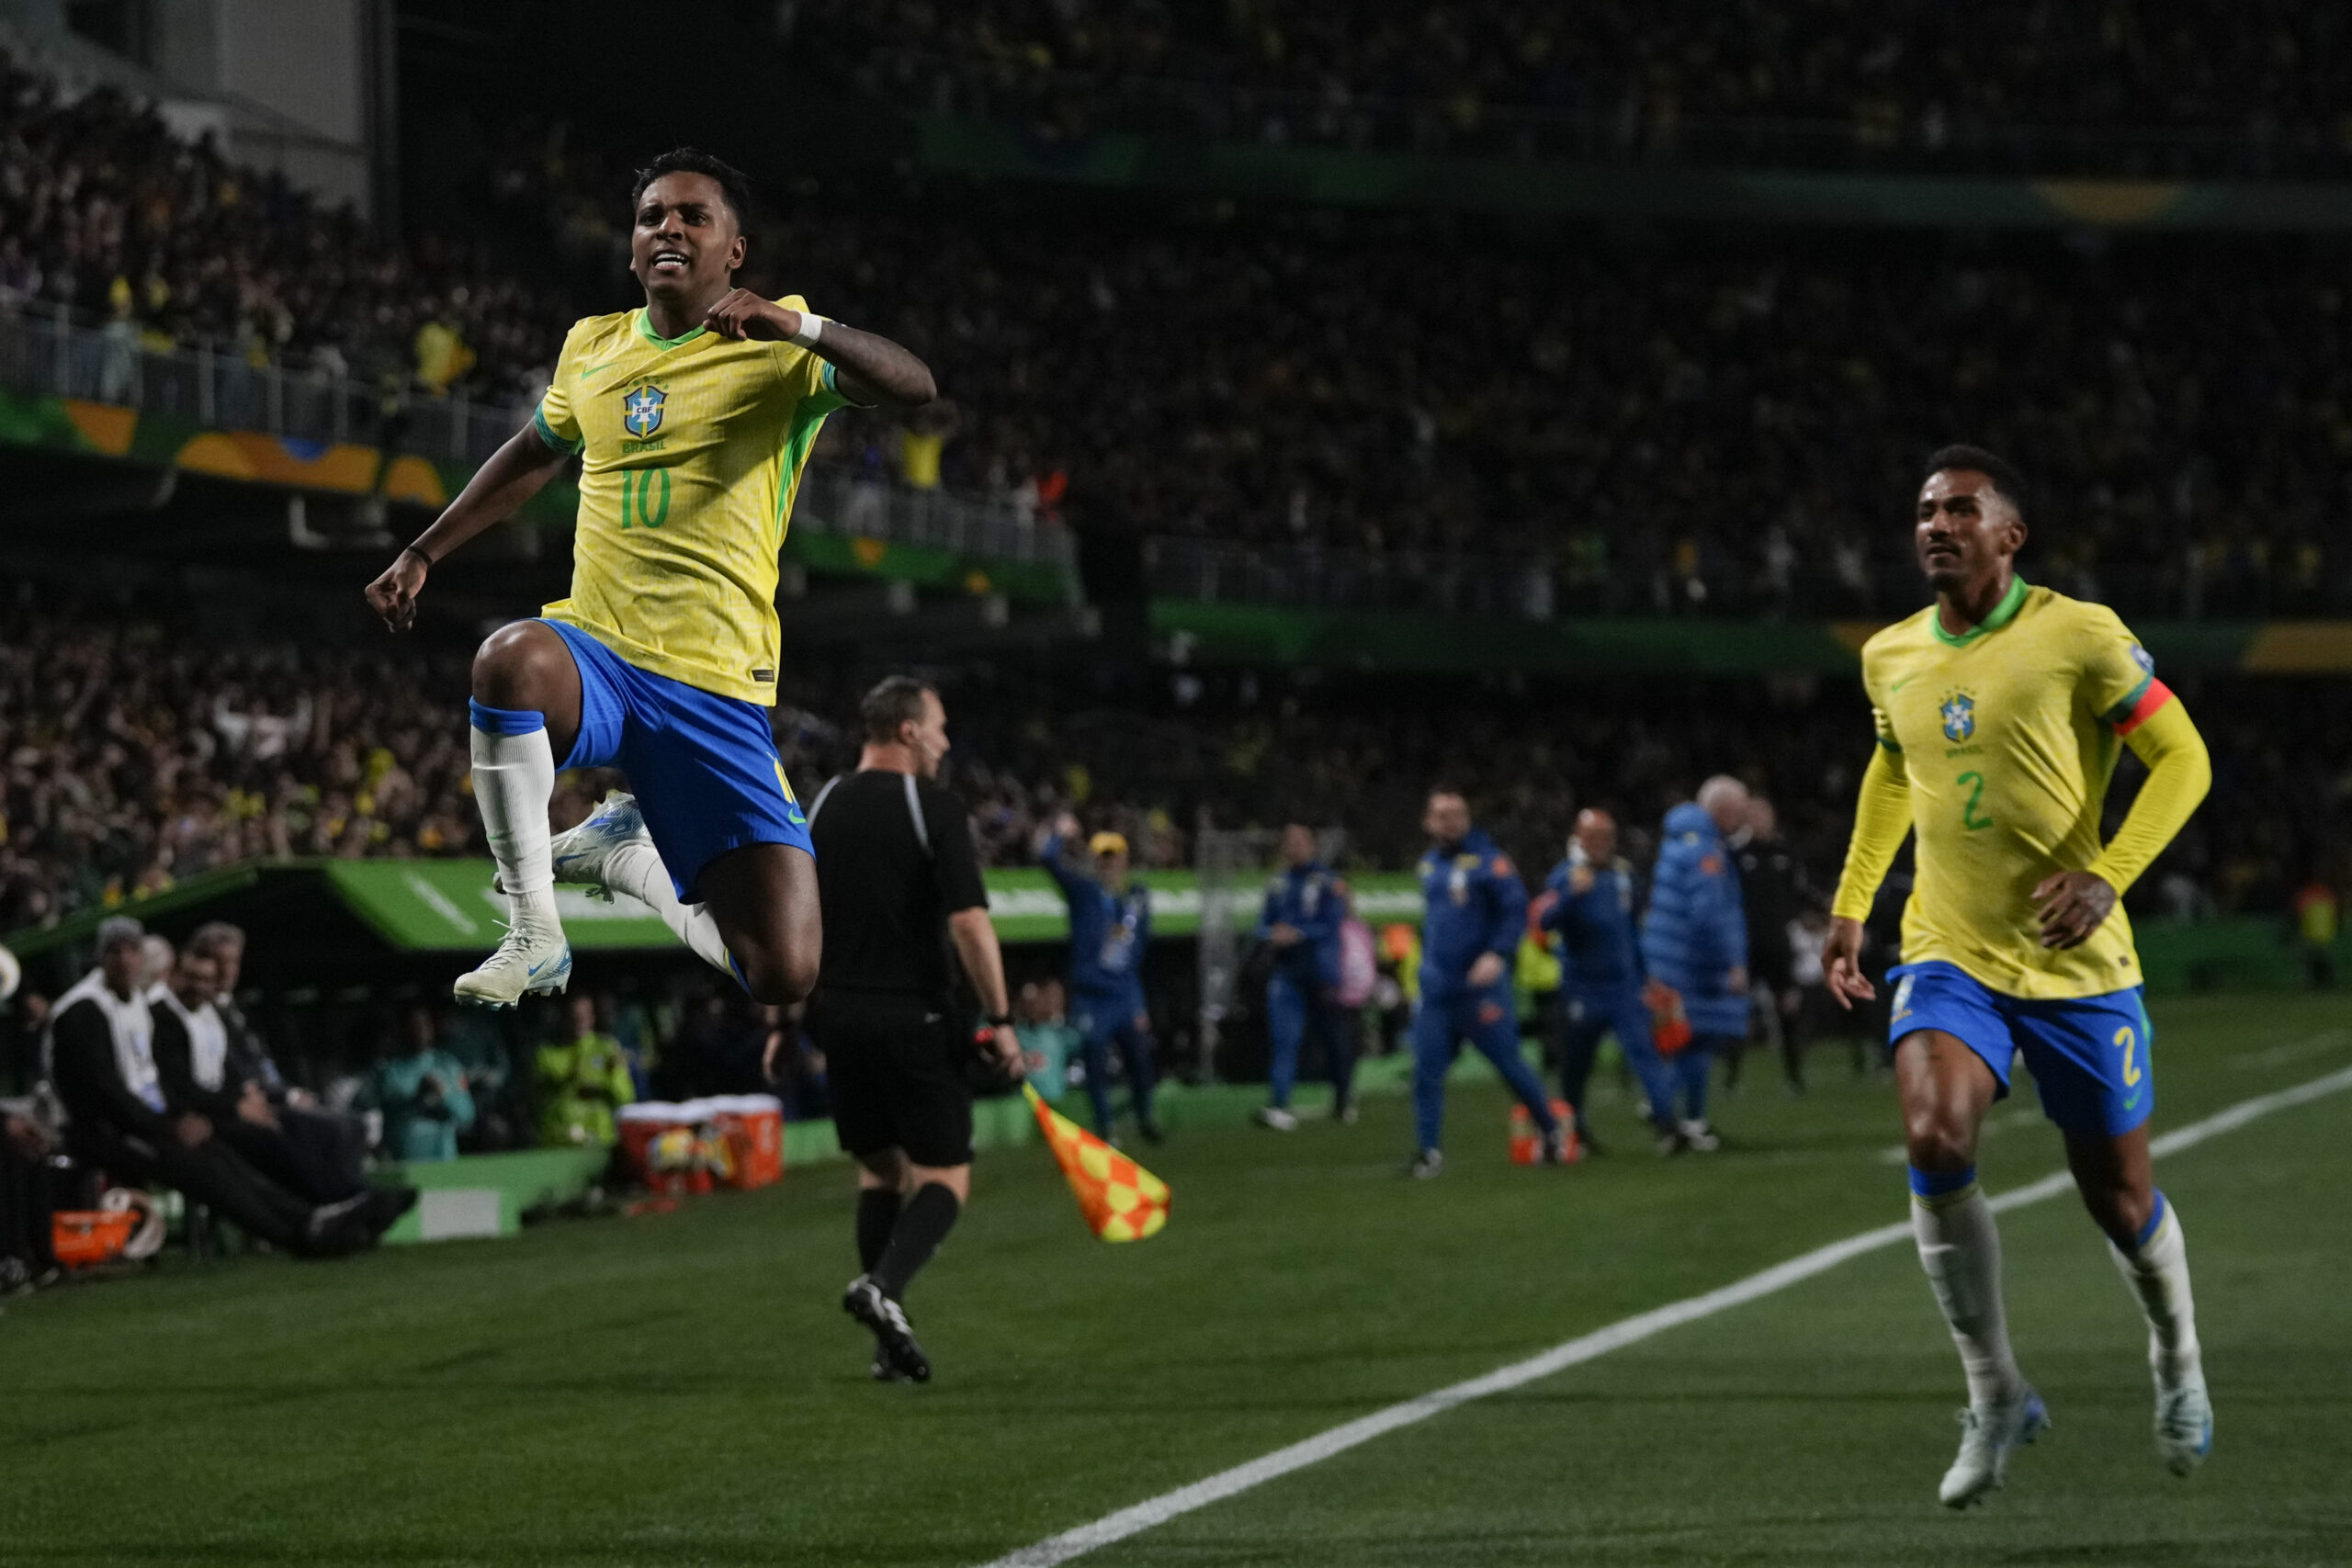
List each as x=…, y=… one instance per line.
x=1689, y=428
x=1610, y=429
x=131, y=764
x=106, y=212
x=2023, y=85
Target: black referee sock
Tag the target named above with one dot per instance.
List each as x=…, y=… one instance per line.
x=878, y=1210
x=929, y=1215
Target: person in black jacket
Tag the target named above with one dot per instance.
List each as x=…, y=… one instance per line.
x=102, y=1063
x=316, y=1155
x=1773, y=890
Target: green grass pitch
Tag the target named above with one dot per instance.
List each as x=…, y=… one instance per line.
x=683, y=1390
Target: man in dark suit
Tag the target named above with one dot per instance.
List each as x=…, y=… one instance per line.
x=101, y=1057
x=313, y=1155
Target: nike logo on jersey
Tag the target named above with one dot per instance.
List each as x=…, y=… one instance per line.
x=594, y=368
x=1898, y=685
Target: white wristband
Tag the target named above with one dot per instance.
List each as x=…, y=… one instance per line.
x=812, y=327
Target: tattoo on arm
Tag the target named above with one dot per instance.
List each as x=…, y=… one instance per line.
x=872, y=369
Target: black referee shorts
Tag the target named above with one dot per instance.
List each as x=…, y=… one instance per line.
x=894, y=1065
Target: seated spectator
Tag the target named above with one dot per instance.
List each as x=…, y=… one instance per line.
x=310, y=1152
x=1048, y=1040
x=424, y=1095
x=582, y=1080
x=335, y=1144
x=477, y=1041
x=101, y=1055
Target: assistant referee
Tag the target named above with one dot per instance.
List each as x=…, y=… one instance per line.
x=899, y=881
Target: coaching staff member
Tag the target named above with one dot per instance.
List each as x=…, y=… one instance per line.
x=896, y=874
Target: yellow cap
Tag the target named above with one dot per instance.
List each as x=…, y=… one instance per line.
x=1108, y=843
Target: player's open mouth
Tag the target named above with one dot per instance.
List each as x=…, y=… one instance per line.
x=670, y=261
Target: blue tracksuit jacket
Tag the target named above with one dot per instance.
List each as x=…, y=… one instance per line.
x=1591, y=908
x=1695, y=931
x=1309, y=898
x=1472, y=902
x=1108, y=931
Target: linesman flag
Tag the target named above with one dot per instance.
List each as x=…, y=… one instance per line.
x=1121, y=1201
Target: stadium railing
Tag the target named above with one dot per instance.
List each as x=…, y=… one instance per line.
x=1531, y=588
x=839, y=501
x=1875, y=136
x=48, y=348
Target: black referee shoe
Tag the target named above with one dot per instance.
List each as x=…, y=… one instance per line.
x=894, y=1336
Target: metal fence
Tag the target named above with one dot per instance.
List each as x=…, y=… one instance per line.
x=45, y=348
x=839, y=501
x=1533, y=589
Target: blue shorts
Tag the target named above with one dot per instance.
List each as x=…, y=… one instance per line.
x=2089, y=1056
x=705, y=768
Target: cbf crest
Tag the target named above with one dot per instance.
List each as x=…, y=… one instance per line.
x=1959, y=714
x=642, y=409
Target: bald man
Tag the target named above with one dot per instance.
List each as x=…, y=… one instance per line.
x=1695, y=939
x=1588, y=903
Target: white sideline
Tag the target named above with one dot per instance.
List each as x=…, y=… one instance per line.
x=1111, y=1527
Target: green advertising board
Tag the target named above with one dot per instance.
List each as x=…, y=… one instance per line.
x=447, y=906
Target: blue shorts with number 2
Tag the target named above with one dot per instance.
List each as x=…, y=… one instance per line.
x=2088, y=1055
x=705, y=767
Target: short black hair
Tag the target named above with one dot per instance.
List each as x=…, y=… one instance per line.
x=733, y=184
x=2005, y=475
x=896, y=700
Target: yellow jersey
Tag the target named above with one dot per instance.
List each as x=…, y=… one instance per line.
x=691, y=452
x=2007, y=738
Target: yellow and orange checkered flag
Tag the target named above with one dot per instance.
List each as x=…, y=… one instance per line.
x=1121, y=1201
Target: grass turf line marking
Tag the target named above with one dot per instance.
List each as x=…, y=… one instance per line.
x=1118, y=1527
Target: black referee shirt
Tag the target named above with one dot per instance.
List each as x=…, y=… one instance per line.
x=894, y=860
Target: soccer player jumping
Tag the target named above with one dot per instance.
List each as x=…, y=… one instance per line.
x=1998, y=711
x=693, y=417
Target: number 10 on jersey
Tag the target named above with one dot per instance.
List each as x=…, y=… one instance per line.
x=639, y=505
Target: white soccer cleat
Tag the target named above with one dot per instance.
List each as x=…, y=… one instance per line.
x=2184, y=1426
x=578, y=855
x=1988, y=1438
x=1697, y=1135
x=1274, y=1116
x=528, y=962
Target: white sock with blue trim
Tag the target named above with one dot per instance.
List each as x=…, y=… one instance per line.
x=636, y=870
x=514, y=778
x=2157, y=1271
x=1959, y=1247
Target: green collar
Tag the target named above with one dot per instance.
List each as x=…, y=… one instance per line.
x=2003, y=613
x=645, y=329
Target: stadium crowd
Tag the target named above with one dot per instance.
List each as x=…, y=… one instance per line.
x=1683, y=430
x=1628, y=79
x=105, y=212
x=129, y=763
x=1680, y=429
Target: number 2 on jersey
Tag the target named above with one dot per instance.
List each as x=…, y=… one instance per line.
x=638, y=505
x=1970, y=818
x=2130, y=1041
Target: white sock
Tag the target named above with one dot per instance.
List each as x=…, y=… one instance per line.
x=635, y=869
x=1961, y=1249
x=513, y=777
x=2157, y=1271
